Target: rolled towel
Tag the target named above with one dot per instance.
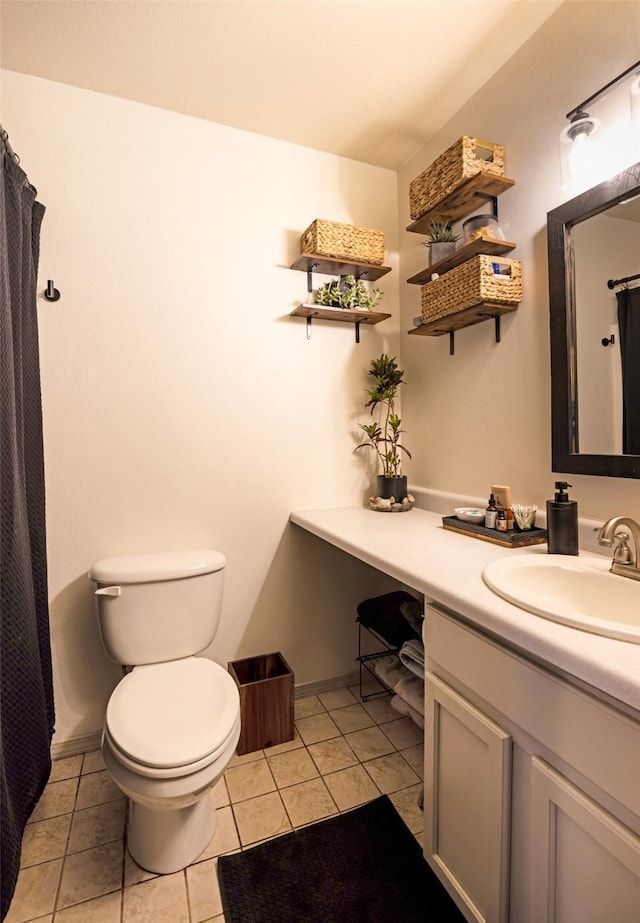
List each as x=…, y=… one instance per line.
x=391, y=671
x=412, y=656
x=411, y=689
x=404, y=708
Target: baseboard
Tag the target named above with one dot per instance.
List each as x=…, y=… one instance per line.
x=326, y=685
x=87, y=742
x=73, y=746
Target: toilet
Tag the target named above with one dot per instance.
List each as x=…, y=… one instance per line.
x=173, y=721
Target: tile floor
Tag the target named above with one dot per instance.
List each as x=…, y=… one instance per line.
x=75, y=868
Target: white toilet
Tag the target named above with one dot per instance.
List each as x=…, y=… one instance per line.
x=173, y=721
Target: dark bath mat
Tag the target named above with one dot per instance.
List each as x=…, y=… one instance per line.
x=363, y=866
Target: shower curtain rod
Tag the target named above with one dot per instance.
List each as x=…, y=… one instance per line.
x=613, y=282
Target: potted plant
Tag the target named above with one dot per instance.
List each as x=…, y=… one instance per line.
x=348, y=293
x=441, y=241
x=384, y=436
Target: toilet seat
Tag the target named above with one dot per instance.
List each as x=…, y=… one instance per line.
x=169, y=719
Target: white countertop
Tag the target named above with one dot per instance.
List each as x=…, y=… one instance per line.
x=447, y=568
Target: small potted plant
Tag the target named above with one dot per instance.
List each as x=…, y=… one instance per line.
x=441, y=241
x=348, y=293
x=384, y=436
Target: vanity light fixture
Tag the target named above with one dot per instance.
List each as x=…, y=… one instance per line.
x=581, y=147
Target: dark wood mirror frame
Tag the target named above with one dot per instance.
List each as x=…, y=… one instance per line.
x=562, y=307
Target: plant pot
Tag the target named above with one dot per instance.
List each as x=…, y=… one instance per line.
x=440, y=250
x=391, y=487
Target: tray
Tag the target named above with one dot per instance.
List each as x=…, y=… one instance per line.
x=513, y=539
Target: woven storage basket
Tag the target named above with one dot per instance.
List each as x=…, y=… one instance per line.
x=343, y=242
x=462, y=160
x=470, y=284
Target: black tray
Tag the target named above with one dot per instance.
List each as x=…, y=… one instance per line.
x=513, y=539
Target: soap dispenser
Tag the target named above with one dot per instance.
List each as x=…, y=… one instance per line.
x=562, y=522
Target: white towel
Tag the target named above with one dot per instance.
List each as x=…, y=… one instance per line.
x=404, y=708
x=412, y=656
x=411, y=689
x=391, y=671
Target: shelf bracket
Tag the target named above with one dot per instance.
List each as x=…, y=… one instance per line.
x=452, y=342
x=310, y=277
x=309, y=325
x=496, y=318
x=489, y=198
x=357, y=331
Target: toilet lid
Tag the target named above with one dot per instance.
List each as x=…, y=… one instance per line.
x=173, y=714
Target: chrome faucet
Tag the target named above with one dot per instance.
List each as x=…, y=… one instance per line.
x=625, y=560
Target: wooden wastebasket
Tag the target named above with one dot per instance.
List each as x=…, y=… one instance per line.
x=266, y=686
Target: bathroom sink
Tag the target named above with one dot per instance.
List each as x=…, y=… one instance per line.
x=579, y=592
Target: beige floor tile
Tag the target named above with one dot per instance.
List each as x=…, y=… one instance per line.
x=96, y=826
x=316, y=728
x=105, y=909
x=245, y=758
x=57, y=798
x=133, y=874
x=66, y=768
x=352, y=718
x=308, y=706
x=369, y=687
x=204, y=891
x=308, y=802
x=332, y=755
x=380, y=709
x=45, y=840
x=292, y=768
x=93, y=762
x=220, y=794
x=161, y=900
x=391, y=773
x=351, y=787
x=406, y=804
x=337, y=698
x=403, y=732
x=369, y=743
x=96, y=788
x=261, y=818
x=249, y=780
x=225, y=837
x=90, y=874
x=285, y=747
x=35, y=892
x=415, y=758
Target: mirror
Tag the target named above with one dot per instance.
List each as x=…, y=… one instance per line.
x=594, y=286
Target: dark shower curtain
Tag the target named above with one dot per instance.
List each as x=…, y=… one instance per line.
x=629, y=327
x=26, y=705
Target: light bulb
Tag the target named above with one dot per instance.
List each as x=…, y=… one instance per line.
x=581, y=157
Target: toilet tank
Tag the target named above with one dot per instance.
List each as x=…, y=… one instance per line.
x=157, y=607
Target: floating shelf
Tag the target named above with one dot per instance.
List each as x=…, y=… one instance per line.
x=464, y=200
x=333, y=267
x=343, y=315
x=473, y=315
x=487, y=245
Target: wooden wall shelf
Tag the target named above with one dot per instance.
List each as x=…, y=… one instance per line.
x=464, y=200
x=332, y=267
x=452, y=322
x=342, y=315
x=488, y=245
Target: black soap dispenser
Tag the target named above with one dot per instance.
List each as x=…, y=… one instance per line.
x=562, y=522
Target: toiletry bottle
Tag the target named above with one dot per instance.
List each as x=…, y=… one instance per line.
x=491, y=513
x=502, y=493
x=562, y=522
x=501, y=520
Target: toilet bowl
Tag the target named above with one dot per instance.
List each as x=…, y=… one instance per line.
x=170, y=730
x=173, y=722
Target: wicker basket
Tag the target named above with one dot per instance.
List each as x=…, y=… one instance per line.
x=343, y=242
x=462, y=160
x=472, y=283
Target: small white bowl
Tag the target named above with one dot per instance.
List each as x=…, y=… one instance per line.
x=470, y=514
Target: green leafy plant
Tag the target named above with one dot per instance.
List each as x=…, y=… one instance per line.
x=349, y=293
x=441, y=232
x=384, y=436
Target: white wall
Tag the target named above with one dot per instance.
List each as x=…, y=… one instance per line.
x=183, y=407
x=483, y=416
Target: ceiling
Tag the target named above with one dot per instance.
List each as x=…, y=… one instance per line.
x=372, y=80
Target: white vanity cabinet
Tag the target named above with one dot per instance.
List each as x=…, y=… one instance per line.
x=532, y=786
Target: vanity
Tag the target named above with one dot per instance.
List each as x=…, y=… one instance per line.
x=532, y=733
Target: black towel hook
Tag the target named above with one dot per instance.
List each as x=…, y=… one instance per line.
x=51, y=293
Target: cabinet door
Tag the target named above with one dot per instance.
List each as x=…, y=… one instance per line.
x=467, y=802
x=585, y=865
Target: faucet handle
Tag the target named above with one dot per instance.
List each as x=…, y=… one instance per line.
x=622, y=552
